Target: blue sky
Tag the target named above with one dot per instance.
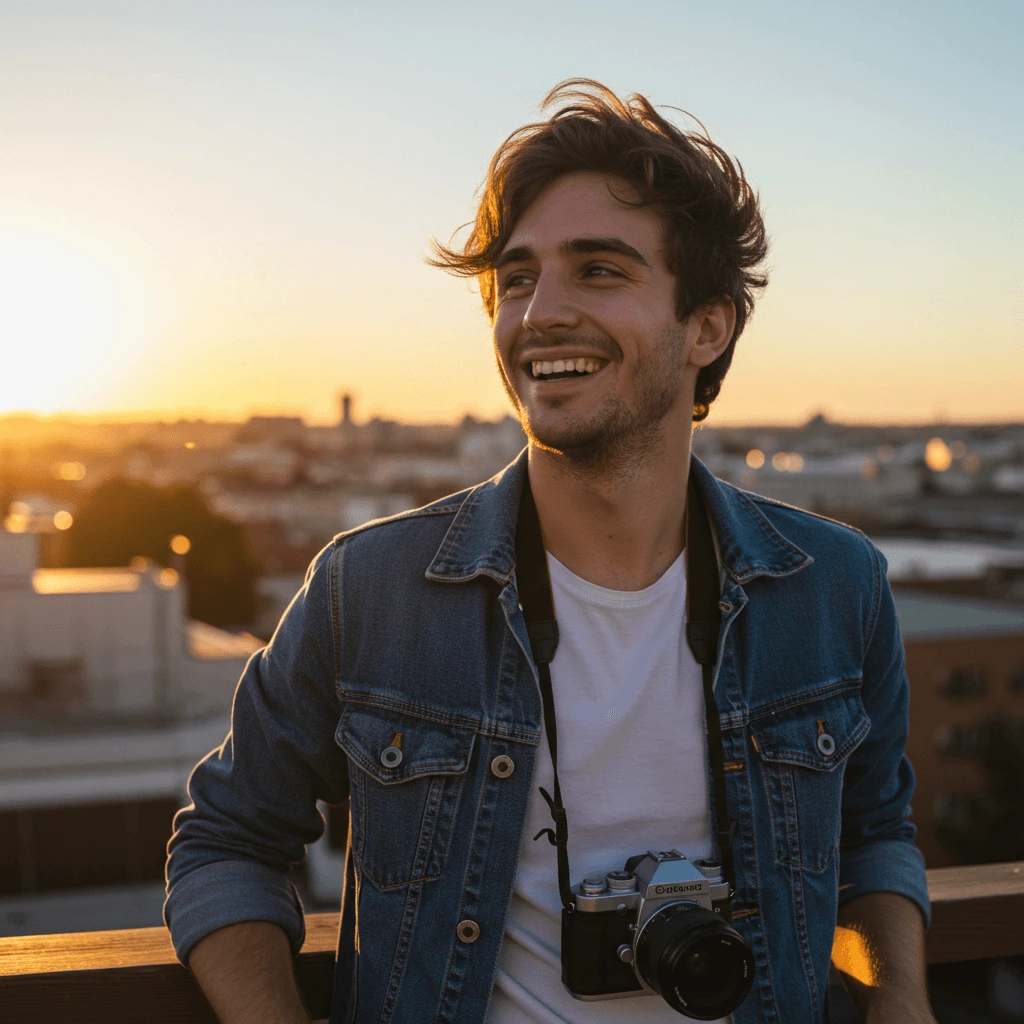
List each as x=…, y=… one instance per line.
x=222, y=207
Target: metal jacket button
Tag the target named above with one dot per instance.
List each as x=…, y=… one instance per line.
x=503, y=766
x=468, y=931
x=391, y=757
x=826, y=744
x=725, y=607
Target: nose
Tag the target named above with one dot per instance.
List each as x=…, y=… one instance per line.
x=551, y=307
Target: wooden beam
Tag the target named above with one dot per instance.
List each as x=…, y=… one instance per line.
x=123, y=977
x=977, y=912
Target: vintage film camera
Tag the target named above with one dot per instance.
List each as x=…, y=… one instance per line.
x=660, y=926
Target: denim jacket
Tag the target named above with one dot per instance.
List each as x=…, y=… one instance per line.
x=412, y=625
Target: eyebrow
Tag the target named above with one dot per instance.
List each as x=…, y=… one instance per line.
x=575, y=247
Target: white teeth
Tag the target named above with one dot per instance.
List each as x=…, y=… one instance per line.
x=541, y=368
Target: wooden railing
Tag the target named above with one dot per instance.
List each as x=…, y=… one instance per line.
x=128, y=977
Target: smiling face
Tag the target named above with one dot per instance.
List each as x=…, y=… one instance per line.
x=585, y=330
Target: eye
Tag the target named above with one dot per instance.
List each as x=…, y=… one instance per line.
x=600, y=270
x=517, y=279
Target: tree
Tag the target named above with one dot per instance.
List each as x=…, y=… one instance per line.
x=120, y=520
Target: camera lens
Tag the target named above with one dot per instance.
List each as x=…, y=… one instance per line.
x=695, y=961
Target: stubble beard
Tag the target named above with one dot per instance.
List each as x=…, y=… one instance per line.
x=620, y=438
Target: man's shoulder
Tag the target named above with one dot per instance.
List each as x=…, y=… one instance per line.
x=826, y=540
x=421, y=524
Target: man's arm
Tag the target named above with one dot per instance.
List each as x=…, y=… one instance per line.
x=879, y=947
x=245, y=971
x=883, y=891
x=254, y=809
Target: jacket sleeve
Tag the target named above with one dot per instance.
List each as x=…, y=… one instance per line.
x=253, y=799
x=876, y=848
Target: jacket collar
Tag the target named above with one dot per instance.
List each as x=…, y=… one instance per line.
x=481, y=538
x=749, y=544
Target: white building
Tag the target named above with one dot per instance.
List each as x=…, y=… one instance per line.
x=109, y=695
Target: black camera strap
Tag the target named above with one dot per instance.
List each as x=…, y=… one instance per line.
x=534, y=587
x=703, y=623
x=702, y=627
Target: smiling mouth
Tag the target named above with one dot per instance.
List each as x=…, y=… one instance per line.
x=561, y=369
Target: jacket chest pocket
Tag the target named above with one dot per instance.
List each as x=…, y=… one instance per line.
x=406, y=775
x=803, y=751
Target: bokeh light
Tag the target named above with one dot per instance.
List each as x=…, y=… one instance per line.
x=68, y=471
x=180, y=544
x=937, y=456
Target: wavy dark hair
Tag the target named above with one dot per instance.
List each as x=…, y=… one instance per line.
x=716, y=241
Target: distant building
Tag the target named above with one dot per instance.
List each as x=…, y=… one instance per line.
x=822, y=484
x=264, y=462
x=962, y=568
x=307, y=512
x=965, y=662
x=108, y=697
x=283, y=429
x=485, y=448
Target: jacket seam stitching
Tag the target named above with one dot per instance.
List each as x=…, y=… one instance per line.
x=413, y=513
x=493, y=729
x=763, y=499
x=754, y=715
x=451, y=992
x=334, y=581
x=876, y=594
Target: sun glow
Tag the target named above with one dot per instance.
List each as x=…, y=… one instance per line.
x=66, y=313
x=854, y=955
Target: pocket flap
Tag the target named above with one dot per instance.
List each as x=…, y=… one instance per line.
x=427, y=748
x=819, y=734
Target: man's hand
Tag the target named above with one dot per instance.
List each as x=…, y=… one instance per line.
x=879, y=947
x=245, y=971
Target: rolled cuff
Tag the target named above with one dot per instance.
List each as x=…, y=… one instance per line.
x=230, y=892
x=889, y=865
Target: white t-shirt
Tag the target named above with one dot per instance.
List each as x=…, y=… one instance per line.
x=629, y=706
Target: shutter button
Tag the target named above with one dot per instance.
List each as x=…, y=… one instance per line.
x=503, y=766
x=826, y=744
x=468, y=931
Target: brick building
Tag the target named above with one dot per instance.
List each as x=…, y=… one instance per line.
x=965, y=661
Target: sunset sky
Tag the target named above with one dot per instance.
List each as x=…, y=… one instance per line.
x=219, y=208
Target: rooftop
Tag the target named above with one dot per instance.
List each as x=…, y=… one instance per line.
x=920, y=559
x=925, y=616
x=85, y=581
x=206, y=641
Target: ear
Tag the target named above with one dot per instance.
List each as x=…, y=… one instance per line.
x=711, y=328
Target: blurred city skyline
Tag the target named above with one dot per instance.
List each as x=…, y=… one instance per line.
x=220, y=209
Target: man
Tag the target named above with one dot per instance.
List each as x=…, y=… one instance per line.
x=618, y=258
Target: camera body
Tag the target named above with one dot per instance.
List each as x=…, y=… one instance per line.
x=654, y=927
